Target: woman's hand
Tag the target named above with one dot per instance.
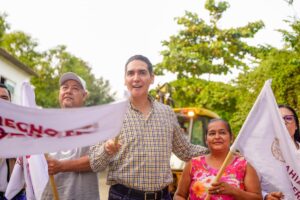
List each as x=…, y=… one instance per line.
x=221, y=188
x=274, y=196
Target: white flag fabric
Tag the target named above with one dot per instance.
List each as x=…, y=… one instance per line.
x=267, y=145
x=35, y=166
x=34, y=131
x=38, y=169
x=21, y=173
x=32, y=172
x=27, y=95
x=17, y=181
x=36, y=181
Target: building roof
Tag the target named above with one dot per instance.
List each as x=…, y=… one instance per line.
x=16, y=62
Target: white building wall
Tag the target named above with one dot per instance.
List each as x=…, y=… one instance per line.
x=14, y=76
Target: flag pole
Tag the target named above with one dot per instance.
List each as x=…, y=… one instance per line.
x=221, y=170
x=117, y=140
x=53, y=187
x=53, y=184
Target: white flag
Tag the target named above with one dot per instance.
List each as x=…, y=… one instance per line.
x=31, y=169
x=27, y=95
x=267, y=145
x=38, y=169
x=35, y=166
x=16, y=182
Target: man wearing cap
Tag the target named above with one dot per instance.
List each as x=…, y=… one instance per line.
x=6, y=165
x=71, y=170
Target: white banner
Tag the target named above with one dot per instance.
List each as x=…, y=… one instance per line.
x=267, y=145
x=26, y=131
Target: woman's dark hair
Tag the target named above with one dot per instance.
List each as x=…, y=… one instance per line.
x=296, y=135
x=222, y=120
x=141, y=58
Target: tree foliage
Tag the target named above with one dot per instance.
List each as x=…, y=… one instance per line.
x=202, y=47
x=58, y=61
x=216, y=96
x=4, y=26
x=50, y=65
x=290, y=2
x=280, y=65
x=23, y=47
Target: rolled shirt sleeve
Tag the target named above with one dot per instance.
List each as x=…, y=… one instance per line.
x=98, y=157
x=181, y=147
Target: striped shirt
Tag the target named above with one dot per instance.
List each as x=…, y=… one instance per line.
x=143, y=161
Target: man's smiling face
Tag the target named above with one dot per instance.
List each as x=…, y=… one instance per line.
x=138, y=78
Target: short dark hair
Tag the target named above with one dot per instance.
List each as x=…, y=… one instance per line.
x=2, y=85
x=141, y=58
x=222, y=120
x=296, y=135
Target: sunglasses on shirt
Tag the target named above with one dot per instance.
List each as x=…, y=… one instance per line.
x=288, y=118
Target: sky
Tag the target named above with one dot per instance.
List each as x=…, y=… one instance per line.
x=106, y=33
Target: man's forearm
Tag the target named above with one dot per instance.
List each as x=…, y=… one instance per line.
x=99, y=158
x=79, y=165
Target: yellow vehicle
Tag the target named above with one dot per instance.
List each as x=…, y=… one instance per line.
x=194, y=123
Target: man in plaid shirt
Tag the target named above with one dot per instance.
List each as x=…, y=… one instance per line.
x=139, y=158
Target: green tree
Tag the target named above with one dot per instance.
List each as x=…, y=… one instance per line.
x=4, y=26
x=50, y=65
x=280, y=65
x=202, y=47
x=290, y=2
x=216, y=96
x=58, y=61
x=23, y=47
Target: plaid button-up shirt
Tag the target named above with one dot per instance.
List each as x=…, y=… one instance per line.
x=143, y=161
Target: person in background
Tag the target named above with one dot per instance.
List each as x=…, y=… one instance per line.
x=291, y=121
x=6, y=165
x=73, y=176
x=239, y=180
x=139, y=158
x=4, y=92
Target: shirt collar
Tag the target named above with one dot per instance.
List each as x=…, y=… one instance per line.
x=150, y=98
